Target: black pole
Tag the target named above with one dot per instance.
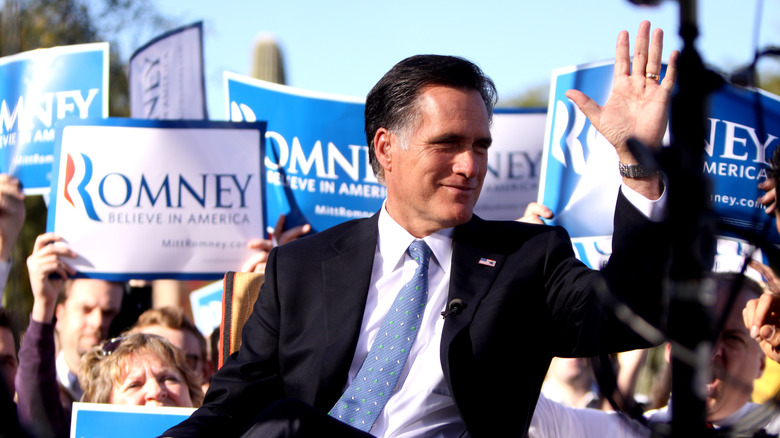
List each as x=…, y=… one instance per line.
x=693, y=248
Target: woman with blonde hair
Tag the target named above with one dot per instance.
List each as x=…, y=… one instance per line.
x=139, y=369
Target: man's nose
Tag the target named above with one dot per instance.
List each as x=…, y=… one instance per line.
x=466, y=164
x=717, y=350
x=95, y=318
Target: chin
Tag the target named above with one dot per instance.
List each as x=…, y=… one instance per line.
x=461, y=213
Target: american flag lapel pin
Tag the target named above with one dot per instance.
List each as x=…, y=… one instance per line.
x=487, y=262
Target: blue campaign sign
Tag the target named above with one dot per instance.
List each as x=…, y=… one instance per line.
x=743, y=127
x=580, y=178
x=316, y=163
x=206, y=305
x=98, y=420
x=38, y=88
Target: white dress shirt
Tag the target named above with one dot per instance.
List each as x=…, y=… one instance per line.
x=68, y=379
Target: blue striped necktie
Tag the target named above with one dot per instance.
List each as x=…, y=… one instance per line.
x=366, y=396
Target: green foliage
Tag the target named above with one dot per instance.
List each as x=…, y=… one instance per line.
x=770, y=83
x=534, y=97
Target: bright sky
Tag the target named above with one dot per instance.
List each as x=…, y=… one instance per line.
x=345, y=46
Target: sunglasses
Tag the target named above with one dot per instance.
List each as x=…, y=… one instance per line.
x=110, y=346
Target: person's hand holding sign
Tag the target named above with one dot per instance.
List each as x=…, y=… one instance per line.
x=47, y=272
x=256, y=263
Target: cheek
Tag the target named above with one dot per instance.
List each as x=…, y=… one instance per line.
x=115, y=397
x=180, y=395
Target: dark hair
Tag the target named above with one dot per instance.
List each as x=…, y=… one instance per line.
x=391, y=103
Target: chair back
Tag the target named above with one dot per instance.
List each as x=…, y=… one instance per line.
x=239, y=293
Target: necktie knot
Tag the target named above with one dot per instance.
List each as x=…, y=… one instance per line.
x=420, y=252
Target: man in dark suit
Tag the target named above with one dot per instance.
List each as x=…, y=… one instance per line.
x=502, y=298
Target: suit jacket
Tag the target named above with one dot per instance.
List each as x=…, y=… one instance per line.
x=538, y=301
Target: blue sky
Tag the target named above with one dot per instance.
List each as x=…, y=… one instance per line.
x=344, y=47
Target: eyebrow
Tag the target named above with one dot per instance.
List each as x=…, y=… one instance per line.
x=456, y=138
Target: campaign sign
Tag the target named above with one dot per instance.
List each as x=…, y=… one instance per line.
x=316, y=161
x=166, y=76
x=38, y=88
x=153, y=199
x=743, y=126
x=100, y=420
x=580, y=177
x=206, y=305
x=514, y=163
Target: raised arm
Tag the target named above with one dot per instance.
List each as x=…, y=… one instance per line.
x=638, y=106
x=38, y=393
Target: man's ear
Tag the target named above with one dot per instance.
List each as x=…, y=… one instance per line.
x=58, y=309
x=383, y=145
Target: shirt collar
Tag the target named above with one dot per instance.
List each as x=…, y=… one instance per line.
x=394, y=240
x=68, y=379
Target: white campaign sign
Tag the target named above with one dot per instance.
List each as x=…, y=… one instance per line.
x=156, y=199
x=514, y=163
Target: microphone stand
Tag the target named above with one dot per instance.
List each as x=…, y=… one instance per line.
x=691, y=290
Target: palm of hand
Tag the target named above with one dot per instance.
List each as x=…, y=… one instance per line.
x=635, y=109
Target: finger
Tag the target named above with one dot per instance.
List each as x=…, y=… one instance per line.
x=294, y=233
x=766, y=272
x=767, y=184
x=51, y=267
x=748, y=313
x=767, y=198
x=251, y=263
x=541, y=210
x=654, y=54
x=66, y=269
x=640, y=50
x=7, y=180
x=534, y=212
x=770, y=334
x=43, y=240
x=261, y=244
x=622, y=58
x=12, y=190
x=760, y=314
x=56, y=250
x=279, y=228
x=670, y=77
x=588, y=106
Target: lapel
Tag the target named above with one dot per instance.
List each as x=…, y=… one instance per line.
x=470, y=280
x=346, y=274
